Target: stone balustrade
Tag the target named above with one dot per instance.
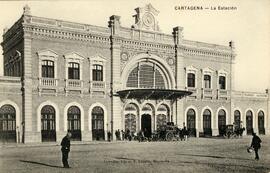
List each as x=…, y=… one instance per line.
x=48, y=82
x=74, y=83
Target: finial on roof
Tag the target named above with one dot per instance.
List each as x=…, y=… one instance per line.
x=232, y=44
x=26, y=10
x=5, y=30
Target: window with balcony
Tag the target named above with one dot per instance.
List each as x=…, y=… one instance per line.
x=73, y=70
x=191, y=80
x=97, y=72
x=207, y=81
x=222, y=82
x=47, y=69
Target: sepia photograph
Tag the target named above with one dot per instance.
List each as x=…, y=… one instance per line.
x=139, y=86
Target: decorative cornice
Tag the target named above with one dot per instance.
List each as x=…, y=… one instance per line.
x=250, y=95
x=144, y=45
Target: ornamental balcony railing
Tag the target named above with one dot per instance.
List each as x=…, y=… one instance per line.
x=207, y=93
x=74, y=83
x=97, y=86
x=194, y=92
x=50, y=82
x=222, y=94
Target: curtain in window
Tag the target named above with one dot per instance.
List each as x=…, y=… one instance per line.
x=222, y=82
x=207, y=81
x=191, y=80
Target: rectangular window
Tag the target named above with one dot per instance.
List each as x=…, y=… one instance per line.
x=191, y=80
x=207, y=81
x=47, y=69
x=222, y=82
x=73, y=70
x=97, y=72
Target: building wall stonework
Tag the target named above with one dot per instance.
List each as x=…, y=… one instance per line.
x=118, y=50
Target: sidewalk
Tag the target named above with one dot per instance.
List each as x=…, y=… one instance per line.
x=46, y=144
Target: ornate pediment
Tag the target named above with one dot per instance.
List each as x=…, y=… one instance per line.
x=191, y=69
x=74, y=56
x=207, y=70
x=47, y=53
x=145, y=18
x=97, y=58
x=222, y=72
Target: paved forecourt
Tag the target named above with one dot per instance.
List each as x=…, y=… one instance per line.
x=195, y=155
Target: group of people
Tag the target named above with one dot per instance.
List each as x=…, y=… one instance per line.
x=183, y=134
x=123, y=135
x=65, y=143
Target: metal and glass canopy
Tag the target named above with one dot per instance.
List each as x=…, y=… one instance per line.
x=153, y=94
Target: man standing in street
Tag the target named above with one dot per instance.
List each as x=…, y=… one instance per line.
x=65, y=149
x=256, y=144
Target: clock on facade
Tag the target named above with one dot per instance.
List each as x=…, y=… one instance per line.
x=148, y=19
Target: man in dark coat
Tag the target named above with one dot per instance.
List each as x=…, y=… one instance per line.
x=256, y=144
x=65, y=149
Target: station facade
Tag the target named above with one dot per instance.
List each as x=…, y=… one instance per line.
x=63, y=76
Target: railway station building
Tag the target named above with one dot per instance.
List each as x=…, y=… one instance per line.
x=64, y=76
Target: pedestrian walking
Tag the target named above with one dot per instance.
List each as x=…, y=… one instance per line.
x=123, y=135
x=109, y=136
x=65, y=149
x=256, y=144
x=185, y=132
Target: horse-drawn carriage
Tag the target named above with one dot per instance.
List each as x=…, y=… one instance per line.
x=167, y=132
x=233, y=132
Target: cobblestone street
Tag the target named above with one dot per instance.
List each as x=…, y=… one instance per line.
x=195, y=155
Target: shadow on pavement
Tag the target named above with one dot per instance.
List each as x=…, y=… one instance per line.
x=215, y=157
x=38, y=163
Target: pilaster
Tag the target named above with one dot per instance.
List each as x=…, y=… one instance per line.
x=179, y=73
x=114, y=25
x=232, y=80
x=29, y=135
x=267, y=118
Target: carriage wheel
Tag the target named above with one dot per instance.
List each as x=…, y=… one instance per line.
x=228, y=134
x=169, y=136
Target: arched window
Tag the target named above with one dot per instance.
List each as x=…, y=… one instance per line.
x=97, y=72
x=221, y=122
x=162, y=108
x=74, y=122
x=7, y=123
x=146, y=75
x=222, y=82
x=130, y=122
x=207, y=81
x=191, y=122
x=73, y=70
x=47, y=69
x=147, y=107
x=130, y=107
x=237, y=119
x=48, y=124
x=207, y=122
x=249, y=122
x=191, y=80
x=98, y=123
x=162, y=116
x=261, y=123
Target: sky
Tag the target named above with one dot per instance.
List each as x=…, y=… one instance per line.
x=248, y=26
